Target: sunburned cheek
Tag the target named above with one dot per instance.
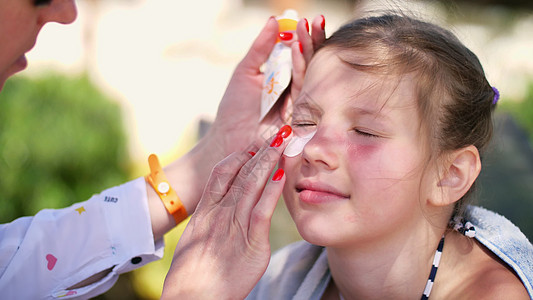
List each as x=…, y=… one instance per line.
x=375, y=161
x=361, y=156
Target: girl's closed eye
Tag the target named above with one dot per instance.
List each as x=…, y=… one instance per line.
x=366, y=133
x=302, y=124
x=303, y=127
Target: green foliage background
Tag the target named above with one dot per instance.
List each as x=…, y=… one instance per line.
x=507, y=174
x=522, y=111
x=61, y=140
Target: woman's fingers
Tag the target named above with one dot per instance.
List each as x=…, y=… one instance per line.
x=249, y=184
x=303, y=50
x=262, y=46
x=222, y=177
x=305, y=39
x=318, y=35
x=261, y=217
x=298, y=70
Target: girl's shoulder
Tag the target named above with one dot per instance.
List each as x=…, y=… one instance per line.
x=492, y=278
x=495, y=264
x=469, y=270
x=504, y=243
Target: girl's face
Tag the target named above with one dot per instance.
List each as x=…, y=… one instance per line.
x=20, y=23
x=360, y=176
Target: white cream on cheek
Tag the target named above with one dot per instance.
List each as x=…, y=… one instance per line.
x=297, y=144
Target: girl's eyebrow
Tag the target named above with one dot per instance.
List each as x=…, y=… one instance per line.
x=306, y=105
x=362, y=111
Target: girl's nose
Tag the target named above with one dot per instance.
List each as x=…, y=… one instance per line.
x=319, y=151
x=59, y=11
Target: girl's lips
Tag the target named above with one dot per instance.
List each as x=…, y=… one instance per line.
x=317, y=197
x=316, y=193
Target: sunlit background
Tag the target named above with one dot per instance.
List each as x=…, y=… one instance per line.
x=167, y=63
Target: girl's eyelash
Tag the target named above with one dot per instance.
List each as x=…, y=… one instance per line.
x=302, y=124
x=366, y=134
x=41, y=2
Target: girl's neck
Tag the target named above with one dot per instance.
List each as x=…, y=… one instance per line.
x=395, y=268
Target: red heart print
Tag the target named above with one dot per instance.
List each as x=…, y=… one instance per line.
x=51, y=261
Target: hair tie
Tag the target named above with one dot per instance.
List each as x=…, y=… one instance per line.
x=462, y=226
x=496, y=96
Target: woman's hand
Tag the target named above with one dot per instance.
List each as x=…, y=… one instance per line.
x=237, y=126
x=237, y=122
x=225, y=248
x=302, y=56
x=234, y=129
x=302, y=52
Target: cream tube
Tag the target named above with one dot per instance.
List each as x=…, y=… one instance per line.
x=297, y=144
x=278, y=67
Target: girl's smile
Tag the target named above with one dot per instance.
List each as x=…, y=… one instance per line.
x=315, y=192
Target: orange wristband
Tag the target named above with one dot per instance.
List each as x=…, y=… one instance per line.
x=159, y=182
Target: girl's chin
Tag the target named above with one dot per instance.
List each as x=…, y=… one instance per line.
x=315, y=233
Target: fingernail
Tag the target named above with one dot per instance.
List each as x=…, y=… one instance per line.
x=285, y=36
x=306, y=24
x=301, y=47
x=278, y=175
x=251, y=153
x=277, y=141
x=323, y=23
x=285, y=131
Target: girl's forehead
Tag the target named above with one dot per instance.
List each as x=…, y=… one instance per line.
x=330, y=75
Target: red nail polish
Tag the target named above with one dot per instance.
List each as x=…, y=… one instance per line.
x=323, y=23
x=278, y=140
x=306, y=24
x=301, y=47
x=278, y=175
x=251, y=153
x=285, y=131
x=285, y=36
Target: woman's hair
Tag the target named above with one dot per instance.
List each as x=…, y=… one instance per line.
x=455, y=100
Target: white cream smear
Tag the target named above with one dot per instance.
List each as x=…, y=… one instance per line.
x=297, y=144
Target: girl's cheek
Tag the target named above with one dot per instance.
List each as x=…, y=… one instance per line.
x=375, y=160
x=358, y=152
x=362, y=159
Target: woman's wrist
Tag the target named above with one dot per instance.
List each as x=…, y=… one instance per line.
x=187, y=176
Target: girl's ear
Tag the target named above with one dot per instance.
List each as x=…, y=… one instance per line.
x=460, y=171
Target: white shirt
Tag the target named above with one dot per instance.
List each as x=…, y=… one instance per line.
x=41, y=256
